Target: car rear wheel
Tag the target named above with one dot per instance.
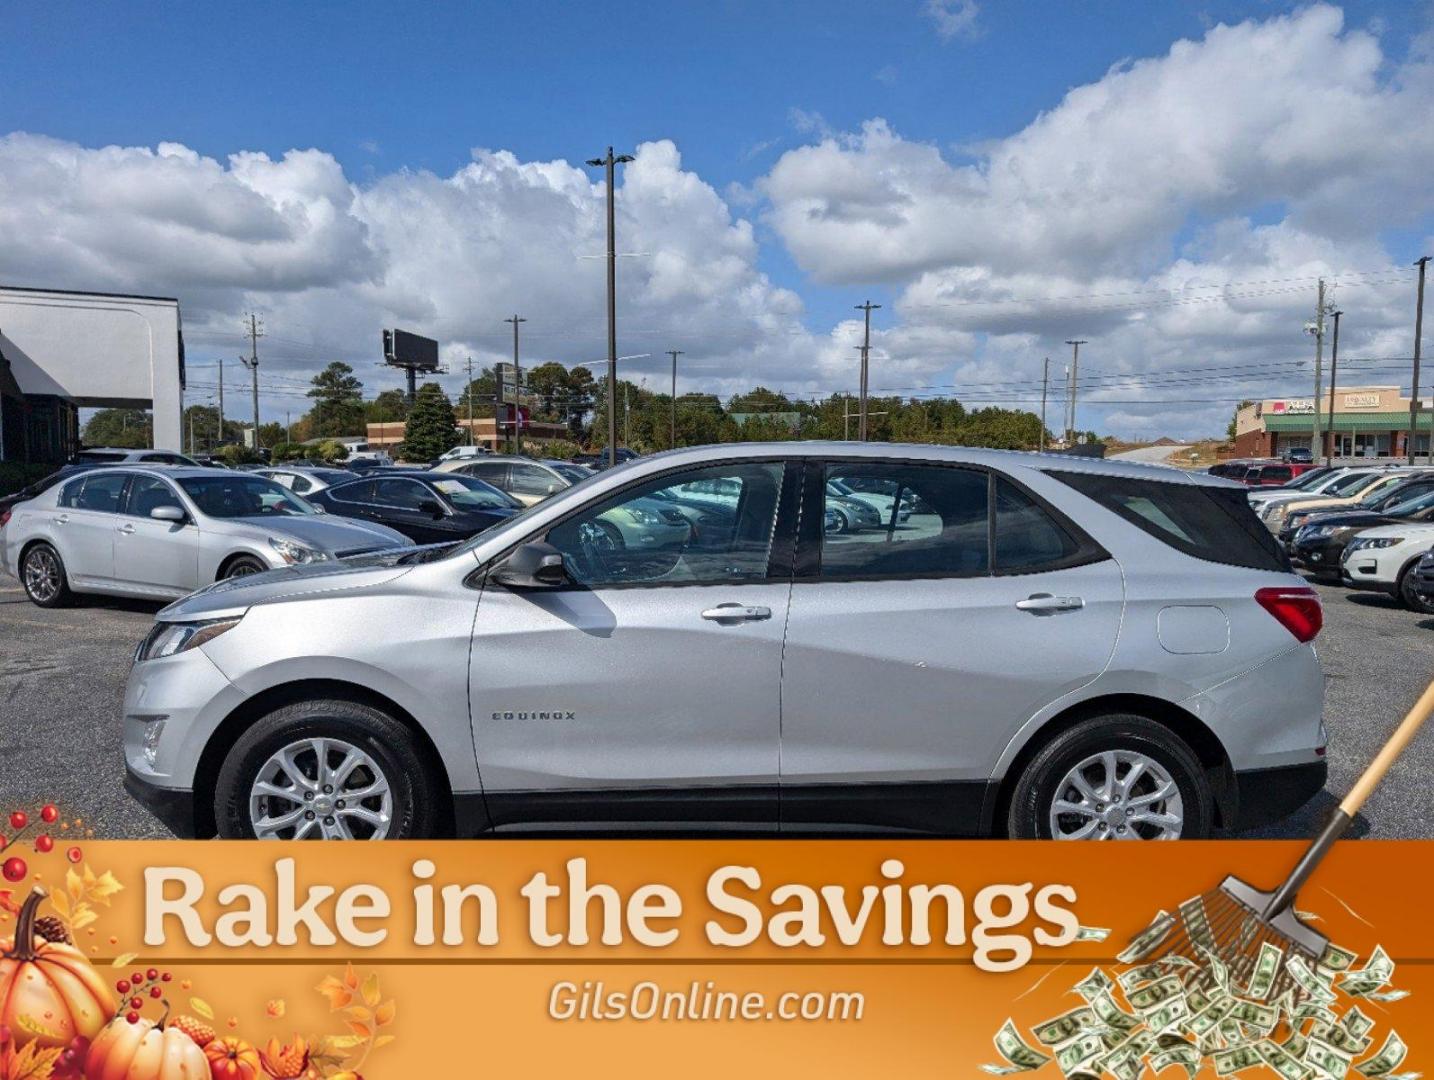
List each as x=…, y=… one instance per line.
x=1113, y=777
x=243, y=566
x=326, y=770
x=43, y=573
x=1409, y=594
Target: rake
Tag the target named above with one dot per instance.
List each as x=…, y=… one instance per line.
x=1234, y=921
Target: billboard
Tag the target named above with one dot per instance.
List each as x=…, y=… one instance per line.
x=408, y=350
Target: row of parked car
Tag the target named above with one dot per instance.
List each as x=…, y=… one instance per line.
x=1365, y=526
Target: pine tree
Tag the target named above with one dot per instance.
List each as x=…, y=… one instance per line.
x=432, y=427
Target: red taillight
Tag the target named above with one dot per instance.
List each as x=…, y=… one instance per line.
x=1297, y=609
x=4, y=517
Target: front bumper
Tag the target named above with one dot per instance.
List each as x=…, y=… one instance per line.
x=1267, y=795
x=1321, y=556
x=174, y=807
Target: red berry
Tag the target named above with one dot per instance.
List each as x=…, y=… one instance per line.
x=137, y=978
x=155, y=991
x=122, y=986
x=132, y=1017
x=136, y=1003
x=14, y=869
x=19, y=819
x=49, y=813
x=152, y=974
x=165, y=977
x=74, y=854
x=43, y=844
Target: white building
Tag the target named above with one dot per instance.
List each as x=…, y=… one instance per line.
x=62, y=351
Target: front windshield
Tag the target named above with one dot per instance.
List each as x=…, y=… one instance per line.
x=241, y=496
x=1411, y=506
x=468, y=493
x=1309, y=479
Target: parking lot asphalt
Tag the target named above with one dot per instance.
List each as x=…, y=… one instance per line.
x=62, y=676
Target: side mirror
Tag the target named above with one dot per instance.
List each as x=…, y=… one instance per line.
x=535, y=565
x=554, y=488
x=318, y=508
x=168, y=513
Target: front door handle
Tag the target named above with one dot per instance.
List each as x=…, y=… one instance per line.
x=126, y=528
x=736, y=613
x=1046, y=604
x=60, y=520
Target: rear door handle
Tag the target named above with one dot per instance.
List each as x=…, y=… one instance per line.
x=1046, y=604
x=736, y=613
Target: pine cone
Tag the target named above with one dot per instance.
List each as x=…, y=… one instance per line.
x=52, y=929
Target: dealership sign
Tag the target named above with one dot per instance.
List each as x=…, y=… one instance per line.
x=1296, y=405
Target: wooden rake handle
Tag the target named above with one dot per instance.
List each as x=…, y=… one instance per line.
x=1350, y=806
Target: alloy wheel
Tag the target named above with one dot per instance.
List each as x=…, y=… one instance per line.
x=42, y=575
x=1117, y=795
x=320, y=789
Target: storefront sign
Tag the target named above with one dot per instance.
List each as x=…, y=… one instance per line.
x=1361, y=401
x=1294, y=405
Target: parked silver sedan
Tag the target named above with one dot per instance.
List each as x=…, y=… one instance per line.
x=163, y=533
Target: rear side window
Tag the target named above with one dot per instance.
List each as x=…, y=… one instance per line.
x=360, y=492
x=100, y=493
x=1276, y=472
x=1210, y=523
x=1028, y=538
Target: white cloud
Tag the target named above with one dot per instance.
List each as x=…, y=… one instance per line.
x=953, y=18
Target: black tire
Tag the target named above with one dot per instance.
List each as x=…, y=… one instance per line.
x=243, y=566
x=411, y=778
x=42, y=563
x=1035, y=792
x=843, y=520
x=1408, y=595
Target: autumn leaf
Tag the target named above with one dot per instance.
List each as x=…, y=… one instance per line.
x=276, y=1008
x=74, y=885
x=371, y=994
x=383, y=1040
x=363, y=1031
x=7, y=902
x=123, y=960
x=202, y=1007
x=337, y=993
x=384, y=1014
x=32, y=1063
x=61, y=903
x=351, y=979
x=359, y=1013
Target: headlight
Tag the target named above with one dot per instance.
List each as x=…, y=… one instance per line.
x=1276, y=513
x=168, y=638
x=1369, y=542
x=641, y=516
x=291, y=551
x=1315, y=532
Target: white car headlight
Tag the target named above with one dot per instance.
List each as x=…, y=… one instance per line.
x=291, y=551
x=168, y=638
x=1375, y=542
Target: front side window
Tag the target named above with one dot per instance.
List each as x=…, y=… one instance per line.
x=148, y=493
x=661, y=533
x=403, y=494
x=898, y=520
x=531, y=480
x=242, y=496
x=101, y=493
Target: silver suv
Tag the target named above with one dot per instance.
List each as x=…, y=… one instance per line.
x=1030, y=645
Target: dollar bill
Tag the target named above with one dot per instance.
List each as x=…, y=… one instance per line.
x=1094, y=984
x=1336, y=959
x=1217, y=970
x=1328, y=1059
x=1355, y=1022
x=1020, y=1056
x=1067, y=1026
x=1255, y=1014
x=1267, y=966
x=1079, y=1052
x=1340, y=1037
x=1387, y=995
x=1092, y=933
x=1208, y=1019
x=1296, y=1043
x=1151, y=996
x=1168, y=1015
x=1149, y=939
x=1391, y=1055
x=1237, y=1059
x=1308, y=981
x=1197, y=923
x=1112, y=1015
x=1374, y=975
x=1282, y=1061
x=1196, y=998
x=1143, y=973
x=1186, y=1056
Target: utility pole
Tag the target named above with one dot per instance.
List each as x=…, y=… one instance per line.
x=1045, y=386
x=288, y=426
x=517, y=385
x=1333, y=370
x=674, y=353
x=866, y=308
x=846, y=416
x=252, y=363
x=221, y=402
x=1071, y=396
x=610, y=163
x=626, y=416
x=1317, y=442
x=1423, y=263
x=468, y=392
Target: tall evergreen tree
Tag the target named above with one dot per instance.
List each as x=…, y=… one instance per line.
x=432, y=426
x=338, y=401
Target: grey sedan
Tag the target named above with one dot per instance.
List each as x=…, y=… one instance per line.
x=163, y=533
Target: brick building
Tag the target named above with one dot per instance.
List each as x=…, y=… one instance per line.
x=1368, y=421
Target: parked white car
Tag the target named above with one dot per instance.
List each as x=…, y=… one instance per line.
x=1383, y=560
x=164, y=532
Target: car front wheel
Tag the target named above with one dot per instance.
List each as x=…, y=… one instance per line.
x=1409, y=595
x=326, y=770
x=1113, y=777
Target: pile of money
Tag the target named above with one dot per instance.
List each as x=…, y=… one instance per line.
x=1194, y=1011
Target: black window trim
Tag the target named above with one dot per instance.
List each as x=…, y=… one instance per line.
x=808, y=558
x=779, y=558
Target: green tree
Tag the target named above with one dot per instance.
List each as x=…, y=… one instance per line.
x=338, y=401
x=129, y=428
x=432, y=426
x=388, y=406
x=235, y=454
x=270, y=434
x=484, y=392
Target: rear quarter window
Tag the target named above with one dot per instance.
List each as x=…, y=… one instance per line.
x=1215, y=524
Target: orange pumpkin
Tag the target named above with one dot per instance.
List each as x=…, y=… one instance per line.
x=144, y=1050
x=49, y=993
x=232, y=1058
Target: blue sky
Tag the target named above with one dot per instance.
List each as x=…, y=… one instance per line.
x=386, y=90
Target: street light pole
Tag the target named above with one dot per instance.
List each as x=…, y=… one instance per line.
x=517, y=386
x=1333, y=371
x=1071, y=398
x=1423, y=263
x=1045, y=386
x=866, y=308
x=609, y=163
